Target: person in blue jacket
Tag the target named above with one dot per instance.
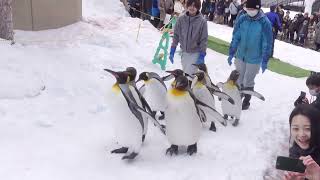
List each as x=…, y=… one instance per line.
x=275, y=23
x=155, y=12
x=251, y=46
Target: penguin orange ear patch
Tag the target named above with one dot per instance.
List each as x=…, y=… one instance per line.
x=116, y=88
x=177, y=93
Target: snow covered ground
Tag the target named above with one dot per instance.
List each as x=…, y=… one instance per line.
x=56, y=119
x=298, y=56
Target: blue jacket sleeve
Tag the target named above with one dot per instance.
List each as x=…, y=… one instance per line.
x=279, y=23
x=266, y=40
x=236, y=37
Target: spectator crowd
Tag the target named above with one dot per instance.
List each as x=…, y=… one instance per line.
x=302, y=30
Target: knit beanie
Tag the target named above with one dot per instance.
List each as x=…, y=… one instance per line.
x=255, y=4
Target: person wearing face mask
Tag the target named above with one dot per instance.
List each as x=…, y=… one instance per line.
x=313, y=84
x=251, y=46
x=304, y=124
x=191, y=31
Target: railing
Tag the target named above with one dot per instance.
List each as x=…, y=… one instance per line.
x=285, y=3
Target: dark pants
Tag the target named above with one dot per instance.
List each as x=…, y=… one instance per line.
x=226, y=18
x=301, y=39
x=233, y=18
x=211, y=16
x=317, y=46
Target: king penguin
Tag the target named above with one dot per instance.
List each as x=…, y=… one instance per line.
x=183, y=117
x=202, y=92
x=129, y=124
x=154, y=91
x=233, y=90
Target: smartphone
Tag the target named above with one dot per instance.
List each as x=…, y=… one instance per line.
x=302, y=94
x=290, y=164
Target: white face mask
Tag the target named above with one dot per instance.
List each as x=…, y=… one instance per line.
x=313, y=92
x=252, y=13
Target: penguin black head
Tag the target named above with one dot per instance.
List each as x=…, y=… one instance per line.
x=201, y=67
x=234, y=75
x=182, y=83
x=132, y=73
x=200, y=75
x=122, y=77
x=176, y=73
x=143, y=76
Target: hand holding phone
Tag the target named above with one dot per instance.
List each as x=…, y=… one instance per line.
x=290, y=164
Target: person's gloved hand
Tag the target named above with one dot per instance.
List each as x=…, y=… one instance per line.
x=232, y=51
x=230, y=60
x=264, y=64
x=201, y=58
x=172, y=51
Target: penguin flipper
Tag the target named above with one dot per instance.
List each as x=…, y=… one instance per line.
x=145, y=104
x=253, y=93
x=153, y=119
x=215, y=87
x=220, y=84
x=127, y=94
x=142, y=89
x=215, y=113
x=221, y=95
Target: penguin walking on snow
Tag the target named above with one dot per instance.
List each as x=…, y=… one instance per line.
x=202, y=92
x=233, y=90
x=154, y=91
x=183, y=124
x=129, y=124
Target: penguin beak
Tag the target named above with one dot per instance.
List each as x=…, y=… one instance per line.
x=115, y=74
x=169, y=77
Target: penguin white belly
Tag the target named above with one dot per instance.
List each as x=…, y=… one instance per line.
x=128, y=130
x=155, y=95
x=183, y=125
x=227, y=107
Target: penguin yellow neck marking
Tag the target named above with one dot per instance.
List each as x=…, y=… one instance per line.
x=177, y=93
x=148, y=81
x=116, y=88
x=199, y=85
x=231, y=84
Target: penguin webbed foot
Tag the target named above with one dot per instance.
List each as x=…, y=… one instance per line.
x=130, y=156
x=173, y=149
x=213, y=127
x=143, y=137
x=162, y=115
x=235, y=123
x=120, y=150
x=192, y=149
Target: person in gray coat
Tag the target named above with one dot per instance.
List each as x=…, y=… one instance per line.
x=317, y=36
x=165, y=7
x=191, y=31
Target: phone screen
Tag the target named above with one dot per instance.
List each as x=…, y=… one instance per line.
x=290, y=164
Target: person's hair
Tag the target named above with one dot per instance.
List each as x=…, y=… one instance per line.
x=281, y=6
x=313, y=115
x=197, y=3
x=313, y=80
